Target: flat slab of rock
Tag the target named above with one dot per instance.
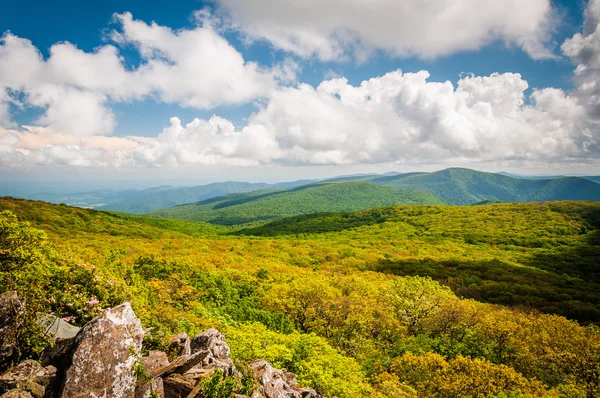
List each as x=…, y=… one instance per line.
x=181, y=364
x=58, y=328
x=104, y=354
x=176, y=386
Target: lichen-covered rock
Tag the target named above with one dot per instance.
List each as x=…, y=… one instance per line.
x=105, y=352
x=152, y=362
x=276, y=383
x=10, y=308
x=215, y=343
x=29, y=376
x=181, y=343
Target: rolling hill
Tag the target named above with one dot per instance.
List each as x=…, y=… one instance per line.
x=139, y=202
x=464, y=186
x=236, y=209
x=327, y=295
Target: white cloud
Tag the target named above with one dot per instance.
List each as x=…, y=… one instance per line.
x=194, y=67
x=403, y=117
x=327, y=28
x=392, y=119
x=397, y=118
x=584, y=50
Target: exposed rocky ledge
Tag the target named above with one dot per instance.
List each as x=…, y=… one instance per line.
x=103, y=359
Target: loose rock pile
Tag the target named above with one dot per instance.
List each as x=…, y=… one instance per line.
x=103, y=359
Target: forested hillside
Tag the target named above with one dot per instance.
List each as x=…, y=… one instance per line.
x=264, y=206
x=465, y=186
x=140, y=202
x=323, y=295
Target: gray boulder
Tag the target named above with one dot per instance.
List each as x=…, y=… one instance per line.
x=57, y=328
x=276, y=383
x=214, y=342
x=104, y=355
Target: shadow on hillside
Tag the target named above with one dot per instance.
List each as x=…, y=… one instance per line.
x=501, y=283
x=245, y=197
x=317, y=223
x=243, y=200
x=582, y=261
x=380, y=180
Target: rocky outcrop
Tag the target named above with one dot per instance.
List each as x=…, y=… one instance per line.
x=214, y=342
x=104, y=360
x=29, y=377
x=10, y=308
x=275, y=383
x=104, y=354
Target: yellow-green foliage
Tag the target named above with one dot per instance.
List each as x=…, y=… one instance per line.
x=332, y=306
x=316, y=363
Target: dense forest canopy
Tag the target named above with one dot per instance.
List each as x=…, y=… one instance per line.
x=392, y=302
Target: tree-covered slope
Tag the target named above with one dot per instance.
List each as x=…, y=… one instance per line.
x=465, y=186
x=263, y=206
x=140, y=202
x=343, y=300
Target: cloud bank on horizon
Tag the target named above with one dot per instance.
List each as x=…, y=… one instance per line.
x=396, y=118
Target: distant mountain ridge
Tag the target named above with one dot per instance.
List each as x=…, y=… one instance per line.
x=464, y=186
x=140, y=202
x=262, y=206
x=455, y=186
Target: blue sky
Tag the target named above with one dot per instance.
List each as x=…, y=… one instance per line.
x=500, y=50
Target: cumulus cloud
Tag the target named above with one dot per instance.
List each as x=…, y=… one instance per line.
x=395, y=118
x=391, y=119
x=194, y=67
x=327, y=28
x=584, y=50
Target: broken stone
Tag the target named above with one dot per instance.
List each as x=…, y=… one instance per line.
x=59, y=355
x=275, y=383
x=105, y=352
x=155, y=360
x=181, y=364
x=181, y=343
x=57, y=328
x=215, y=343
x=29, y=376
